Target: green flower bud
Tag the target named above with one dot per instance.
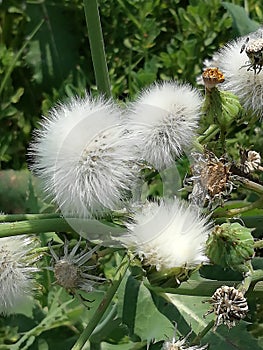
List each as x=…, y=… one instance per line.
x=169, y=278
x=221, y=107
x=231, y=245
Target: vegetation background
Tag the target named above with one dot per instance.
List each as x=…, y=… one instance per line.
x=45, y=58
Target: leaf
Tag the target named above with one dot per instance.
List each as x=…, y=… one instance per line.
x=242, y=24
x=193, y=309
x=233, y=339
x=139, y=312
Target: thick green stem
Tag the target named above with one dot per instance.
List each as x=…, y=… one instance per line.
x=82, y=342
x=97, y=46
x=22, y=217
x=33, y=226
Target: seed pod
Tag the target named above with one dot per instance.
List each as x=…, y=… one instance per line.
x=230, y=245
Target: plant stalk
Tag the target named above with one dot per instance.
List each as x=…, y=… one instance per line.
x=97, y=46
x=82, y=342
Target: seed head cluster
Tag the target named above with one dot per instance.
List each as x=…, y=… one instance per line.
x=229, y=306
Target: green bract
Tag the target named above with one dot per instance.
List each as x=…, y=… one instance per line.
x=230, y=245
x=221, y=107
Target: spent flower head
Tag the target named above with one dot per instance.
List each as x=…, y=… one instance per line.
x=250, y=161
x=229, y=306
x=212, y=77
x=241, y=62
x=168, y=235
x=17, y=268
x=210, y=178
x=163, y=120
x=71, y=269
x=83, y=154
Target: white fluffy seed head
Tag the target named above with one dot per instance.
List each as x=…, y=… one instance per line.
x=240, y=77
x=163, y=121
x=16, y=272
x=83, y=155
x=169, y=235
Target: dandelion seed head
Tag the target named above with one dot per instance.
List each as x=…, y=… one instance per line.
x=17, y=267
x=83, y=155
x=236, y=63
x=163, y=120
x=168, y=235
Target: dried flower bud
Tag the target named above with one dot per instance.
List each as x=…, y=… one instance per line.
x=230, y=245
x=70, y=269
x=220, y=107
x=212, y=77
x=210, y=179
x=229, y=306
x=250, y=161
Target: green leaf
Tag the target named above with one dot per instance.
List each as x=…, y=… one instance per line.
x=139, y=312
x=193, y=309
x=242, y=24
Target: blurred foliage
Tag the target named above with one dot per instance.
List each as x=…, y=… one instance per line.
x=45, y=55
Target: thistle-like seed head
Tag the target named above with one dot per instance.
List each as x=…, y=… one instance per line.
x=229, y=306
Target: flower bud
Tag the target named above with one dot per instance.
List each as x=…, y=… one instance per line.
x=221, y=107
x=230, y=245
x=169, y=278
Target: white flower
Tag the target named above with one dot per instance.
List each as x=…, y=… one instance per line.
x=83, y=154
x=16, y=271
x=70, y=270
x=242, y=70
x=169, y=235
x=164, y=119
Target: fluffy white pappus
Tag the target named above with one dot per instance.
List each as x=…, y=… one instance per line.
x=163, y=120
x=240, y=77
x=16, y=272
x=169, y=235
x=83, y=155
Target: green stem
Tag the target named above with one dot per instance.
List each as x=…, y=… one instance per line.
x=97, y=46
x=251, y=185
x=207, y=288
x=200, y=335
x=208, y=134
x=237, y=211
x=22, y=217
x=33, y=226
x=16, y=58
x=82, y=342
